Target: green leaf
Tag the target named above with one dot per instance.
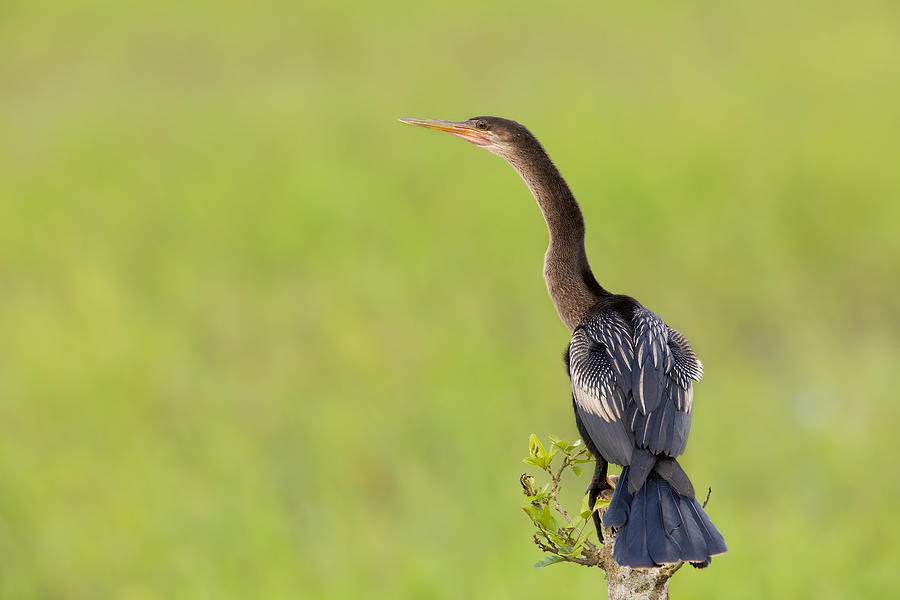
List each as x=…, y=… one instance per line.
x=547, y=521
x=550, y=456
x=547, y=561
x=542, y=495
x=577, y=470
x=545, y=517
x=585, y=508
x=562, y=444
x=541, y=462
x=535, y=447
x=539, y=498
x=560, y=541
x=585, y=532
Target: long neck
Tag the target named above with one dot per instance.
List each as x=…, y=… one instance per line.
x=570, y=281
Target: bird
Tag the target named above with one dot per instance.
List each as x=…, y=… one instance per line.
x=631, y=374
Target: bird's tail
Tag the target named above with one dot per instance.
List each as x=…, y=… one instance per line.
x=657, y=525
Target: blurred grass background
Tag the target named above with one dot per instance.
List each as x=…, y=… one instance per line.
x=261, y=340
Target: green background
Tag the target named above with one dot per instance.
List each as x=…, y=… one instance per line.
x=259, y=339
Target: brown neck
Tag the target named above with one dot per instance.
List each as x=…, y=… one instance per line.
x=571, y=284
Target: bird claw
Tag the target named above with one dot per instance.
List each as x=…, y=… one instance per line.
x=609, y=484
x=594, y=490
x=598, y=525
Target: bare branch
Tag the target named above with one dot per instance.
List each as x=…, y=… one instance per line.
x=554, y=490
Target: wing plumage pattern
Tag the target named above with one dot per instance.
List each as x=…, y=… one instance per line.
x=600, y=358
x=632, y=382
x=652, y=359
x=686, y=367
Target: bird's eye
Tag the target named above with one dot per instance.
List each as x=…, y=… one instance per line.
x=481, y=125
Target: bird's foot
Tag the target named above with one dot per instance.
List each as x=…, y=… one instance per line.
x=599, y=488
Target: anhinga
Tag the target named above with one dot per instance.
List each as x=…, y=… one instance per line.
x=631, y=374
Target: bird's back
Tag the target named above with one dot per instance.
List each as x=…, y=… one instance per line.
x=632, y=380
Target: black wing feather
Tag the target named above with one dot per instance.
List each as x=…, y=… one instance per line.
x=599, y=365
x=632, y=381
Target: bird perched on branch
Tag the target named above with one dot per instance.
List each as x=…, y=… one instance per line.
x=632, y=375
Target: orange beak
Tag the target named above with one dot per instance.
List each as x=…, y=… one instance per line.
x=458, y=128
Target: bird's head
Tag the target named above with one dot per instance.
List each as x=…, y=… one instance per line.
x=501, y=136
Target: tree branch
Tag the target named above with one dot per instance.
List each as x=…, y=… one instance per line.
x=569, y=542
